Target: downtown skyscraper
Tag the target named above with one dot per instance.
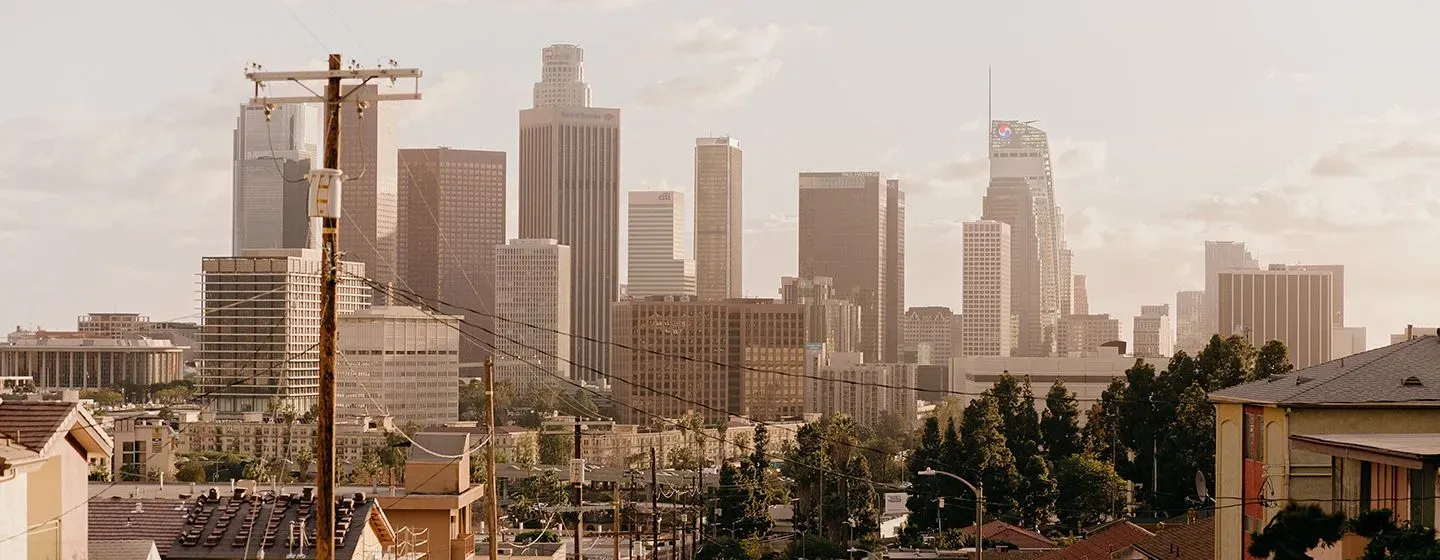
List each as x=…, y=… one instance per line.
x=270, y=205
x=1222, y=256
x=1022, y=194
x=656, y=263
x=370, y=205
x=852, y=229
x=986, y=273
x=719, y=220
x=451, y=217
x=570, y=192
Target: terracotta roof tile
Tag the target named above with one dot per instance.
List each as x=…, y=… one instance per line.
x=1018, y=536
x=1195, y=541
x=1101, y=544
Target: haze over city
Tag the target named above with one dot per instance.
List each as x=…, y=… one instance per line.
x=1169, y=126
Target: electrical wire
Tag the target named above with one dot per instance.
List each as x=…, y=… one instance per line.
x=692, y=359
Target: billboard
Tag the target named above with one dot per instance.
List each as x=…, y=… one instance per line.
x=895, y=503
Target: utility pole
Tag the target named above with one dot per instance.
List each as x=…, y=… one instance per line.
x=492, y=504
x=577, y=482
x=325, y=203
x=655, y=507
x=616, y=501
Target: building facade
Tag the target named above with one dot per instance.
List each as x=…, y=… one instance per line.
x=928, y=332
x=987, y=320
x=1081, y=296
x=746, y=357
x=370, y=206
x=1154, y=336
x=1086, y=376
x=145, y=448
x=401, y=362
x=719, y=218
x=656, y=263
x=562, y=78
x=1293, y=306
x=834, y=322
x=1222, y=256
x=259, y=344
x=570, y=192
x=841, y=382
x=451, y=218
x=1022, y=194
x=1191, y=332
x=268, y=439
x=1082, y=335
x=532, y=287
x=270, y=194
x=852, y=230
x=90, y=363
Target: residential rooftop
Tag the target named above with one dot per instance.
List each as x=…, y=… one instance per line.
x=1403, y=374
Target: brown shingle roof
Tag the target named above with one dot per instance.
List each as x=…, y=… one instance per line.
x=1018, y=536
x=1374, y=377
x=1195, y=541
x=117, y=519
x=33, y=423
x=120, y=550
x=1101, y=544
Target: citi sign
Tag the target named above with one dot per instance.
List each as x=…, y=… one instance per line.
x=589, y=116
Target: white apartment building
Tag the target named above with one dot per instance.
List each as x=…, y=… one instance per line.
x=562, y=79
x=987, y=316
x=842, y=382
x=532, y=286
x=1086, y=376
x=656, y=263
x=927, y=333
x=1154, y=334
x=401, y=362
x=261, y=328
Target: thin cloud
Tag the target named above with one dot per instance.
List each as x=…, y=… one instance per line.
x=728, y=64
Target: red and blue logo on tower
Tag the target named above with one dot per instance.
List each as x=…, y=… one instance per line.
x=1004, y=131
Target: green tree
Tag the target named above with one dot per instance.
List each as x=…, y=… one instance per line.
x=950, y=410
x=103, y=397
x=1142, y=419
x=1392, y=540
x=191, y=471
x=536, y=536
x=921, y=501
x=1060, y=424
x=1227, y=362
x=1295, y=530
x=804, y=464
x=534, y=497
x=580, y=405
x=1102, y=426
x=886, y=446
x=1037, y=492
x=1089, y=490
x=1187, y=448
x=684, y=458
x=556, y=449
x=985, y=452
x=1016, y=404
x=1273, y=360
x=722, y=548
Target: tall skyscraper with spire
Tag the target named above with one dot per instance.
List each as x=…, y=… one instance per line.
x=570, y=192
x=1022, y=194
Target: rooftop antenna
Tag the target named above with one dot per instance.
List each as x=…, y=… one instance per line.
x=989, y=100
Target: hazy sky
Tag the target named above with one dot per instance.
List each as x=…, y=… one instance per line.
x=1307, y=129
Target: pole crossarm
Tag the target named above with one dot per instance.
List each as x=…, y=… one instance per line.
x=356, y=74
x=356, y=96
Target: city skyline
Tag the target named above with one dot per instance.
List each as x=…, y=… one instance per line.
x=1098, y=163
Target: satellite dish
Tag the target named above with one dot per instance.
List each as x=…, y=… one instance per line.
x=1201, y=489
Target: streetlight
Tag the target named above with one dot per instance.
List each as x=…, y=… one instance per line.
x=979, y=491
x=861, y=550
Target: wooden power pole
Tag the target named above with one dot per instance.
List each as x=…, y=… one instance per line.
x=492, y=503
x=325, y=203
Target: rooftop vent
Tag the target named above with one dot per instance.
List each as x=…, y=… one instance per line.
x=1301, y=380
x=1412, y=381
